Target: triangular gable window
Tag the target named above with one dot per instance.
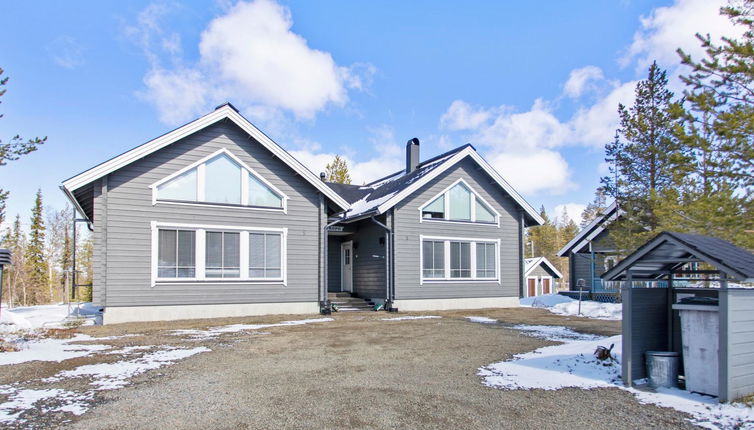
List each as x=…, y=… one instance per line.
x=459, y=203
x=220, y=179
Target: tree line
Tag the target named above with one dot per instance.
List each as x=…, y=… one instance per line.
x=686, y=162
x=42, y=257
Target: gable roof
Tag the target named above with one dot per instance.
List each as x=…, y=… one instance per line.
x=531, y=263
x=671, y=250
x=378, y=196
x=592, y=230
x=225, y=111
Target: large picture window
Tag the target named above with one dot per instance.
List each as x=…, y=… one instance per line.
x=459, y=203
x=176, y=254
x=219, y=179
x=265, y=255
x=450, y=259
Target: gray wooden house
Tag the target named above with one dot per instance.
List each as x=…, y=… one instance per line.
x=591, y=252
x=541, y=277
x=216, y=219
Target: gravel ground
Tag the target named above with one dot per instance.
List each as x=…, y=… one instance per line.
x=361, y=372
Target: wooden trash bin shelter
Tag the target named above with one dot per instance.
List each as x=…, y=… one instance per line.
x=672, y=267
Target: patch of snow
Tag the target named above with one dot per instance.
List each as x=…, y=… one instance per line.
x=21, y=400
x=234, y=328
x=482, y=320
x=554, y=333
x=30, y=318
x=423, y=317
x=573, y=364
x=562, y=305
x=363, y=205
x=50, y=349
x=544, y=301
x=109, y=376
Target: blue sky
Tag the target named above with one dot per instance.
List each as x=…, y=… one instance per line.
x=533, y=85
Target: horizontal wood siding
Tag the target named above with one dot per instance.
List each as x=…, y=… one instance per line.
x=539, y=271
x=369, y=270
x=130, y=211
x=99, y=254
x=408, y=230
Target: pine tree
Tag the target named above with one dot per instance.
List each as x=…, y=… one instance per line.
x=647, y=161
x=543, y=239
x=595, y=208
x=337, y=171
x=35, y=255
x=16, y=276
x=722, y=86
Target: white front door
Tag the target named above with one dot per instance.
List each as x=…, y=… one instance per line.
x=346, y=258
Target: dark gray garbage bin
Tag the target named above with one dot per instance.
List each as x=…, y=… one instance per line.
x=662, y=368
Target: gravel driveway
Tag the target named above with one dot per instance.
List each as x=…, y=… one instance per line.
x=358, y=372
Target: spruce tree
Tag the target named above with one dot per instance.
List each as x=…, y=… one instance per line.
x=595, y=208
x=35, y=255
x=647, y=162
x=337, y=171
x=16, y=273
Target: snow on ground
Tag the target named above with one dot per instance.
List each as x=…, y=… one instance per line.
x=234, y=328
x=49, y=349
x=422, y=317
x=554, y=333
x=30, y=318
x=482, y=320
x=572, y=364
x=563, y=305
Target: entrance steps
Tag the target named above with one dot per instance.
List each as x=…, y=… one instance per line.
x=347, y=303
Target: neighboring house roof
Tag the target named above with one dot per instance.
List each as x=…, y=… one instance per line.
x=592, y=230
x=531, y=263
x=225, y=111
x=669, y=251
x=384, y=193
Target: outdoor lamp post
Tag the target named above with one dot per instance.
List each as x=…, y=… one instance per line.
x=4, y=261
x=580, y=284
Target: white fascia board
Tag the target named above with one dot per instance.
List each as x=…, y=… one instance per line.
x=586, y=233
x=555, y=270
x=190, y=128
x=450, y=162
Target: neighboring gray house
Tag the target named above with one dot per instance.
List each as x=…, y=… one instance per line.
x=591, y=253
x=541, y=277
x=215, y=219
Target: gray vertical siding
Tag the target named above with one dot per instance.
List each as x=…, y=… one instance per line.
x=369, y=272
x=739, y=343
x=645, y=328
x=123, y=237
x=333, y=264
x=408, y=230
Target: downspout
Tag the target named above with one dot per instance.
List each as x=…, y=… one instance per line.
x=324, y=303
x=521, y=246
x=389, y=292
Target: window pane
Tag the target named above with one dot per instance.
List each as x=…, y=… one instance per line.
x=460, y=258
x=166, y=245
x=261, y=195
x=186, y=248
x=460, y=203
x=166, y=272
x=273, y=251
x=433, y=256
x=427, y=257
x=485, y=260
x=439, y=264
x=223, y=181
x=231, y=250
x=483, y=213
x=436, y=209
x=182, y=187
x=214, y=252
x=256, y=254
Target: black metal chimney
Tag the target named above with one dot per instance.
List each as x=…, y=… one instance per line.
x=412, y=155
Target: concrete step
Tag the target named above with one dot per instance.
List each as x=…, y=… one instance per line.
x=340, y=294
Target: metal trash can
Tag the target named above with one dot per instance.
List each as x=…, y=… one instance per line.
x=662, y=368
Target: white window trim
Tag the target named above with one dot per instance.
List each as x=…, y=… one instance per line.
x=201, y=177
x=447, y=279
x=200, y=243
x=473, y=220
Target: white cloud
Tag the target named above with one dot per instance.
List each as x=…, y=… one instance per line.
x=66, y=52
x=671, y=27
x=462, y=116
x=582, y=80
x=595, y=125
x=533, y=172
x=574, y=211
x=249, y=55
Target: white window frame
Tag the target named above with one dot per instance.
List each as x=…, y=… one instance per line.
x=200, y=178
x=475, y=196
x=447, y=279
x=200, y=254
